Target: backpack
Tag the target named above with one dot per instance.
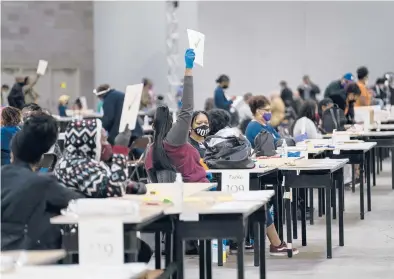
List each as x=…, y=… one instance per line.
x=230, y=153
x=333, y=119
x=264, y=144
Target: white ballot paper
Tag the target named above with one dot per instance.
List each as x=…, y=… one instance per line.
x=42, y=67
x=196, y=42
x=131, y=106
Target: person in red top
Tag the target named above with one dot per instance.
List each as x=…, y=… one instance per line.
x=170, y=150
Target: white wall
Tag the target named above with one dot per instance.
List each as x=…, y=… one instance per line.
x=130, y=41
x=260, y=43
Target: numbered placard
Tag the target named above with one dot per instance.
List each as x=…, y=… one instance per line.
x=235, y=181
x=100, y=241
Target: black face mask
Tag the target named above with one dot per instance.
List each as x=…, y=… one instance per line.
x=225, y=86
x=202, y=130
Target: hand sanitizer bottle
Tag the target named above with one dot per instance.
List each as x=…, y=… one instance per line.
x=178, y=202
x=284, y=149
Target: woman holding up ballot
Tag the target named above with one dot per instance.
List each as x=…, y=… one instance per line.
x=170, y=149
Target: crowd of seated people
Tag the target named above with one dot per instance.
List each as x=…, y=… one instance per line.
x=95, y=165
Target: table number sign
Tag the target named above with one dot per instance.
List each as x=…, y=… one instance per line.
x=235, y=181
x=100, y=241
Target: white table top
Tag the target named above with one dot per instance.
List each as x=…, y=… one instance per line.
x=367, y=134
x=35, y=257
x=316, y=164
x=146, y=213
x=126, y=271
x=383, y=126
x=257, y=169
x=356, y=146
x=261, y=195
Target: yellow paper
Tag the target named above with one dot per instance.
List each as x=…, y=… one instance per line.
x=63, y=85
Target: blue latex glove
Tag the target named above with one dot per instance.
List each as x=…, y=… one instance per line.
x=189, y=58
x=209, y=176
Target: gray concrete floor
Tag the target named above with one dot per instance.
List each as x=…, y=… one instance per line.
x=368, y=251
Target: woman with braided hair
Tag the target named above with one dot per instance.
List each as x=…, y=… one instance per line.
x=10, y=119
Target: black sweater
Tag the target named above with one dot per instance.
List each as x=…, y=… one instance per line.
x=28, y=201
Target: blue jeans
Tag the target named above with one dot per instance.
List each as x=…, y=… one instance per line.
x=269, y=220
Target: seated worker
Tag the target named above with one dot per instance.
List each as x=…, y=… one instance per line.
x=261, y=109
x=170, y=150
x=324, y=105
x=219, y=123
x=306, y=122
x=199, y=131
x=28, y=199
x=28, y=109
x=63, y=105
x=81, y=169
x=10, y=120
x=347, y=101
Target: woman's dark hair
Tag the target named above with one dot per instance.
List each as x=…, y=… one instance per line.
x=381, y=80
x=308, y=110
x=218, y=119
x=353, y=88
x=362, y=72
x=162, y=124
x=257, y=102
x=78, y=103
x=197, y=113
x=325, y=102
x=10, y=116
x=38, y=135
x=32, y=107
x=222, y=78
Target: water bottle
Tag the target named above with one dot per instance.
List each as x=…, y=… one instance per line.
x=178, y=201
x=146, y=121
x=284, y=149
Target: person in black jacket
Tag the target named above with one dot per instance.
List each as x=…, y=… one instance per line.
x=308, y=89
x=337, y=87
x=30, y=199
x=345, y=100
x=112, y=107
x=16, y=98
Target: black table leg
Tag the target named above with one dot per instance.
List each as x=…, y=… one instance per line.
x=276, y=208
x=334, y=198
x=320, y=203
x=179, y=252
x=280, y=211
x=288, y=222
x=340, y=207
x=294, y=211
x=202, y=261
x=377, y=161
x=256, y=243
x=312, y=219
x=323, y=195
x=328, y=223
x=208, y=256
x=168, y=248
x=381, y=159
x=220, y=252
x=240, y=255
x=353, y=179
x=362, y=189
x=157, y=250
x=373, y=167
x=303, y=215
x=368, y=174
x=263, y=271
x=392, y=168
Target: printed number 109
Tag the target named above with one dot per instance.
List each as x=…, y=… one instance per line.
x=235, y=188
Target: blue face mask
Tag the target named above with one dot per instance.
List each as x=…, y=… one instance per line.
x=267, y=116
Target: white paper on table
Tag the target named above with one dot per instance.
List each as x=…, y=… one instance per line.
x=196, y=42
x=42, y=67
x=100, y=241
x=235, y=181
x=234, y=206
x=131, y=107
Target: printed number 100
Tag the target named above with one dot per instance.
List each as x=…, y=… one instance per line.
x=235, y=188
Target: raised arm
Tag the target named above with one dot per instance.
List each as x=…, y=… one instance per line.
x=178, y=134
x=31, y=84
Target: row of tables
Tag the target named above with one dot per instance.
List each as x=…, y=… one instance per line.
x=212, y=215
